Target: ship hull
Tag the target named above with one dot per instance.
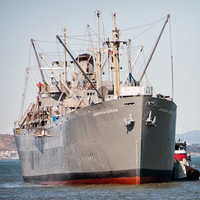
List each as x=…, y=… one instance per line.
x=97, y=145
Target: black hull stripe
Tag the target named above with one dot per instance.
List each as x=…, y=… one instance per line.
x=146, y=174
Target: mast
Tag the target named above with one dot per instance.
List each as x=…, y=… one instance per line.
x=54, y=72
x=100, y=96
x=99, y=70
x=129, y=60
x=64, y=65
x=109, y=66
x=115, y=43
x=132, y=65
x=150, y=57
x=115, y=56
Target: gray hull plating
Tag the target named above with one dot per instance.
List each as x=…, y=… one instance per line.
x=97, y=143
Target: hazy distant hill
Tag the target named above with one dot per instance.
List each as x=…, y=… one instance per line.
x=191, y=137
x=7, y=143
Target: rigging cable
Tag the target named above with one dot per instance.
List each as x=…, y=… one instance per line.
x=152, y=24
x=23, y=100
x=172, y=66
x=83, y=44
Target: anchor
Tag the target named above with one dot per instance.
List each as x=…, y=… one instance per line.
x=129, y=121
x=151, y=121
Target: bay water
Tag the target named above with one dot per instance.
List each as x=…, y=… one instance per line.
x=13, y=187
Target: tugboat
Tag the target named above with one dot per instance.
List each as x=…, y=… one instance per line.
x=182, y=163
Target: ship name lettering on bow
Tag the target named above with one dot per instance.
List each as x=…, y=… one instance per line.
x=105, y=112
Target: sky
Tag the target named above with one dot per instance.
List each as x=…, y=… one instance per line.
x=21, y=20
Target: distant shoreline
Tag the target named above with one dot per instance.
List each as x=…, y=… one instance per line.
x=9, y=158
x=16, y=157
x=5, y=155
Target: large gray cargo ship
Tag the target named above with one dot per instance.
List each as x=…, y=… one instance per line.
x=92, y=131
